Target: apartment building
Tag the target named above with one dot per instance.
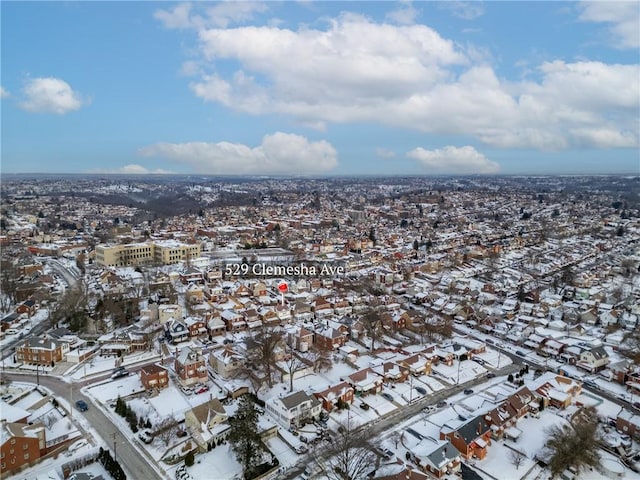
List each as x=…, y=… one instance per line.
x=165, y=252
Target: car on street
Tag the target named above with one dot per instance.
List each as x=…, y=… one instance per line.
x=119, y=373
x=82, y=405
x=429, y=409
x=441, y=404
x=468, y=391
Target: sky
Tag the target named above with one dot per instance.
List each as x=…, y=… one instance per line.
x=320, y=88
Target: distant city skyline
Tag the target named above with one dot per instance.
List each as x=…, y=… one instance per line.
x=320, y=88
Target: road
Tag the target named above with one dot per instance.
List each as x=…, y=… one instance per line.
x=400, y=414
x=137, y=465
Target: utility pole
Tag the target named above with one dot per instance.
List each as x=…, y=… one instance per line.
x=71, y=401
x=38, y=374
x=115, y=454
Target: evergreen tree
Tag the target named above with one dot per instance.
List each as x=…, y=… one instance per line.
x=244, y=437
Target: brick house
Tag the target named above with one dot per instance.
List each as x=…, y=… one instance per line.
x=628, y=423
x=558, y=391
x=41, y=351
x=21, y=445
x=392, y=372
x=154, y=377
x=330, y=396
x=190, y=366
x=28, y=306
x=196, y=326
x=471, y=437
x=438, y=458
x=329, y=338
x=417, y=364
x=365, y=382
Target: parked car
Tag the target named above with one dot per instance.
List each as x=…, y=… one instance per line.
x=145, y=436
x=201, y=388
x=387, y=396
x=491, y=375
x=421, y=390
x=468, y=391
x=441, y=404
x=82, y=405
x=186, y=390
x=429, y=409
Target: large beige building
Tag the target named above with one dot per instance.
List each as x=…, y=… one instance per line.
x=163, y=252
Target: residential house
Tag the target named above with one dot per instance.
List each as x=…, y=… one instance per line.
x=398, y=471
x=628, y=423
x=207, y=424
x=470, y=437
x=234, y=320
x=294, y=410
x=557, y=391
x=438, y=458
x=501, y=419
x=176, y=331
x=28, y=307
x=21, y=444
x=340, y=393
x=226, y=361
x=196, y=326
x=154, y=377
x=365, y=382
x=329, y=338
x=594, y=359
x=190, y=366
x=41, y=351
x=417, y=364
x=392, y=372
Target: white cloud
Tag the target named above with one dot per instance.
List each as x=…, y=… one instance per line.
x=459, y=160
x=357, y=70
x=4, y=93
x=279, y=153
x=50, y=95
x=221, y=14
x=178, y=17
x=132, y=169
x=465, y=10
x=622, y=17
x=406, y=14
x=385, y=153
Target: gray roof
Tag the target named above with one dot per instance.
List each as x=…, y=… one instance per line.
x=599, y=352
x=473, y=428
x=296, y=398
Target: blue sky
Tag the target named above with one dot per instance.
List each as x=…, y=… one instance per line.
x=321, y=88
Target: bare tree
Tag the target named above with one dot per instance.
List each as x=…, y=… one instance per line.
x=292, y=364
x=320, y=359
x=630, y=346
x=372, y=322
x=262, y=353
x=517, y=458
x=166, y=430
x=9, y=276
x=575, y=445
x=350, y=456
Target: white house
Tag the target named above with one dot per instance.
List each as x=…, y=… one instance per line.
x=294, y=410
